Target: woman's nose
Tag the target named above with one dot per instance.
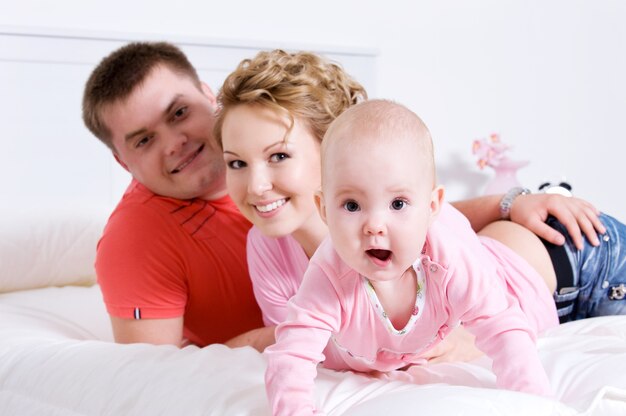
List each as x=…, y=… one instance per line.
x=259, y=181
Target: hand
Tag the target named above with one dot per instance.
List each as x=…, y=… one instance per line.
x=258, y=338
x=458, y=346
x=577, y=215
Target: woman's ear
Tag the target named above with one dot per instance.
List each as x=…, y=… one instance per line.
x=321, y=206
x=436, y=200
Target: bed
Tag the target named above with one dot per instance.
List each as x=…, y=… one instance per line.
x=57, y=356
x=56, y=351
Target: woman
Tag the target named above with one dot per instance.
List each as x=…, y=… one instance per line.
x=275, y=109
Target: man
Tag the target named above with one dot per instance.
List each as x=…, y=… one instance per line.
x=171, y=262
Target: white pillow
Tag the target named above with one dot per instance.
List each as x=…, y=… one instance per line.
x=49, y=247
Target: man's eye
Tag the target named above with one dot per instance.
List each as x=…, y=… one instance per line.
x=351, y=206
x=236, y=164
x=180, y=112
x=277, y=157
x=143, y=141
x=398, y=204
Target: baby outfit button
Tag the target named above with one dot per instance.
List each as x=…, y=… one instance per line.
x=433, y=268
x=605, y=237
x=424, y=262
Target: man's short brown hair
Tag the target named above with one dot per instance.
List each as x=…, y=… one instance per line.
x=119, y=73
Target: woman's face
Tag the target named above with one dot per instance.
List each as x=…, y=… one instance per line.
x=271, y=179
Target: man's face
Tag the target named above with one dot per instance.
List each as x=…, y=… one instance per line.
x=162, y=134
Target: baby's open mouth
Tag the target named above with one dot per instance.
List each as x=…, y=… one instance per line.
x=379, y=254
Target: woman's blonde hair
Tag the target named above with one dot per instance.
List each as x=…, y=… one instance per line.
x=301, y=84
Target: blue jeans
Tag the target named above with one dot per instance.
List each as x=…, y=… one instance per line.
x=599, y=272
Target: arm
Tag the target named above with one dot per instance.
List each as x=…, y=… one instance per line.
x=259, y=338
x=531, y=211
x=480, y=211
x=313, y=314
x=152, y=331
x=276, y=267
x=170, y=331
x=475, y=293
x=502, y=331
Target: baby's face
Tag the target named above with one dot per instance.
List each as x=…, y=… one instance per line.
x=377, y=198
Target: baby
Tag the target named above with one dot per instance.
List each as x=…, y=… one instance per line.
x=400, y=270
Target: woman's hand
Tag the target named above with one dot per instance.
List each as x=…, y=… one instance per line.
x=458, y=346
x=258, y=338
x=577, y=215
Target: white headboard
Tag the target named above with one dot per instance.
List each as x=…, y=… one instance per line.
x=48, y=156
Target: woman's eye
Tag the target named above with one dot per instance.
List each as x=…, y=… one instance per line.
x=398, y=204
x=236, y=164
x=351, y=206
x=277, y=157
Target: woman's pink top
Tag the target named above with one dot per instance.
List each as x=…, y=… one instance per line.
x=276, y=267
x=461, y=279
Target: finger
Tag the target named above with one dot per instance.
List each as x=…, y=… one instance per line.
x=572, y=224
x=597, y=223
x=433, y=353
x=436, y=360
x=588, y=228
x=543, y=230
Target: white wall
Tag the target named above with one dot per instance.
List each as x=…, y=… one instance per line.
x=548, y=75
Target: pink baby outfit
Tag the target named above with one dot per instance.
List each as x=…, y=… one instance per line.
x=461, y=278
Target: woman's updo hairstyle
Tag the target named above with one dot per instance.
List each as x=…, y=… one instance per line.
x=302, y=85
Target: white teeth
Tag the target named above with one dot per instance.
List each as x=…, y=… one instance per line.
x=188, y=161
x=272, y=206
x=181, y=167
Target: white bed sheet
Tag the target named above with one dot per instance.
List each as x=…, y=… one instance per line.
x=57, y=358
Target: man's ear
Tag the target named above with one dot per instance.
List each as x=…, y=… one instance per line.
x=436, y=200
x=321, y=205
x=117, y=158
x=206, y=90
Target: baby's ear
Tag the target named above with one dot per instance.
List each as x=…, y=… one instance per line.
x=320, y=204
x=436, y=200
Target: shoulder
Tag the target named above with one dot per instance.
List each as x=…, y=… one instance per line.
x=139, y=214
x=450, y=236
x=284, y=246
x=328, y=260
x=268, y=256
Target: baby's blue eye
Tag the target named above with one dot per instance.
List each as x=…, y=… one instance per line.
x=351, y=206
x=398, y=204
